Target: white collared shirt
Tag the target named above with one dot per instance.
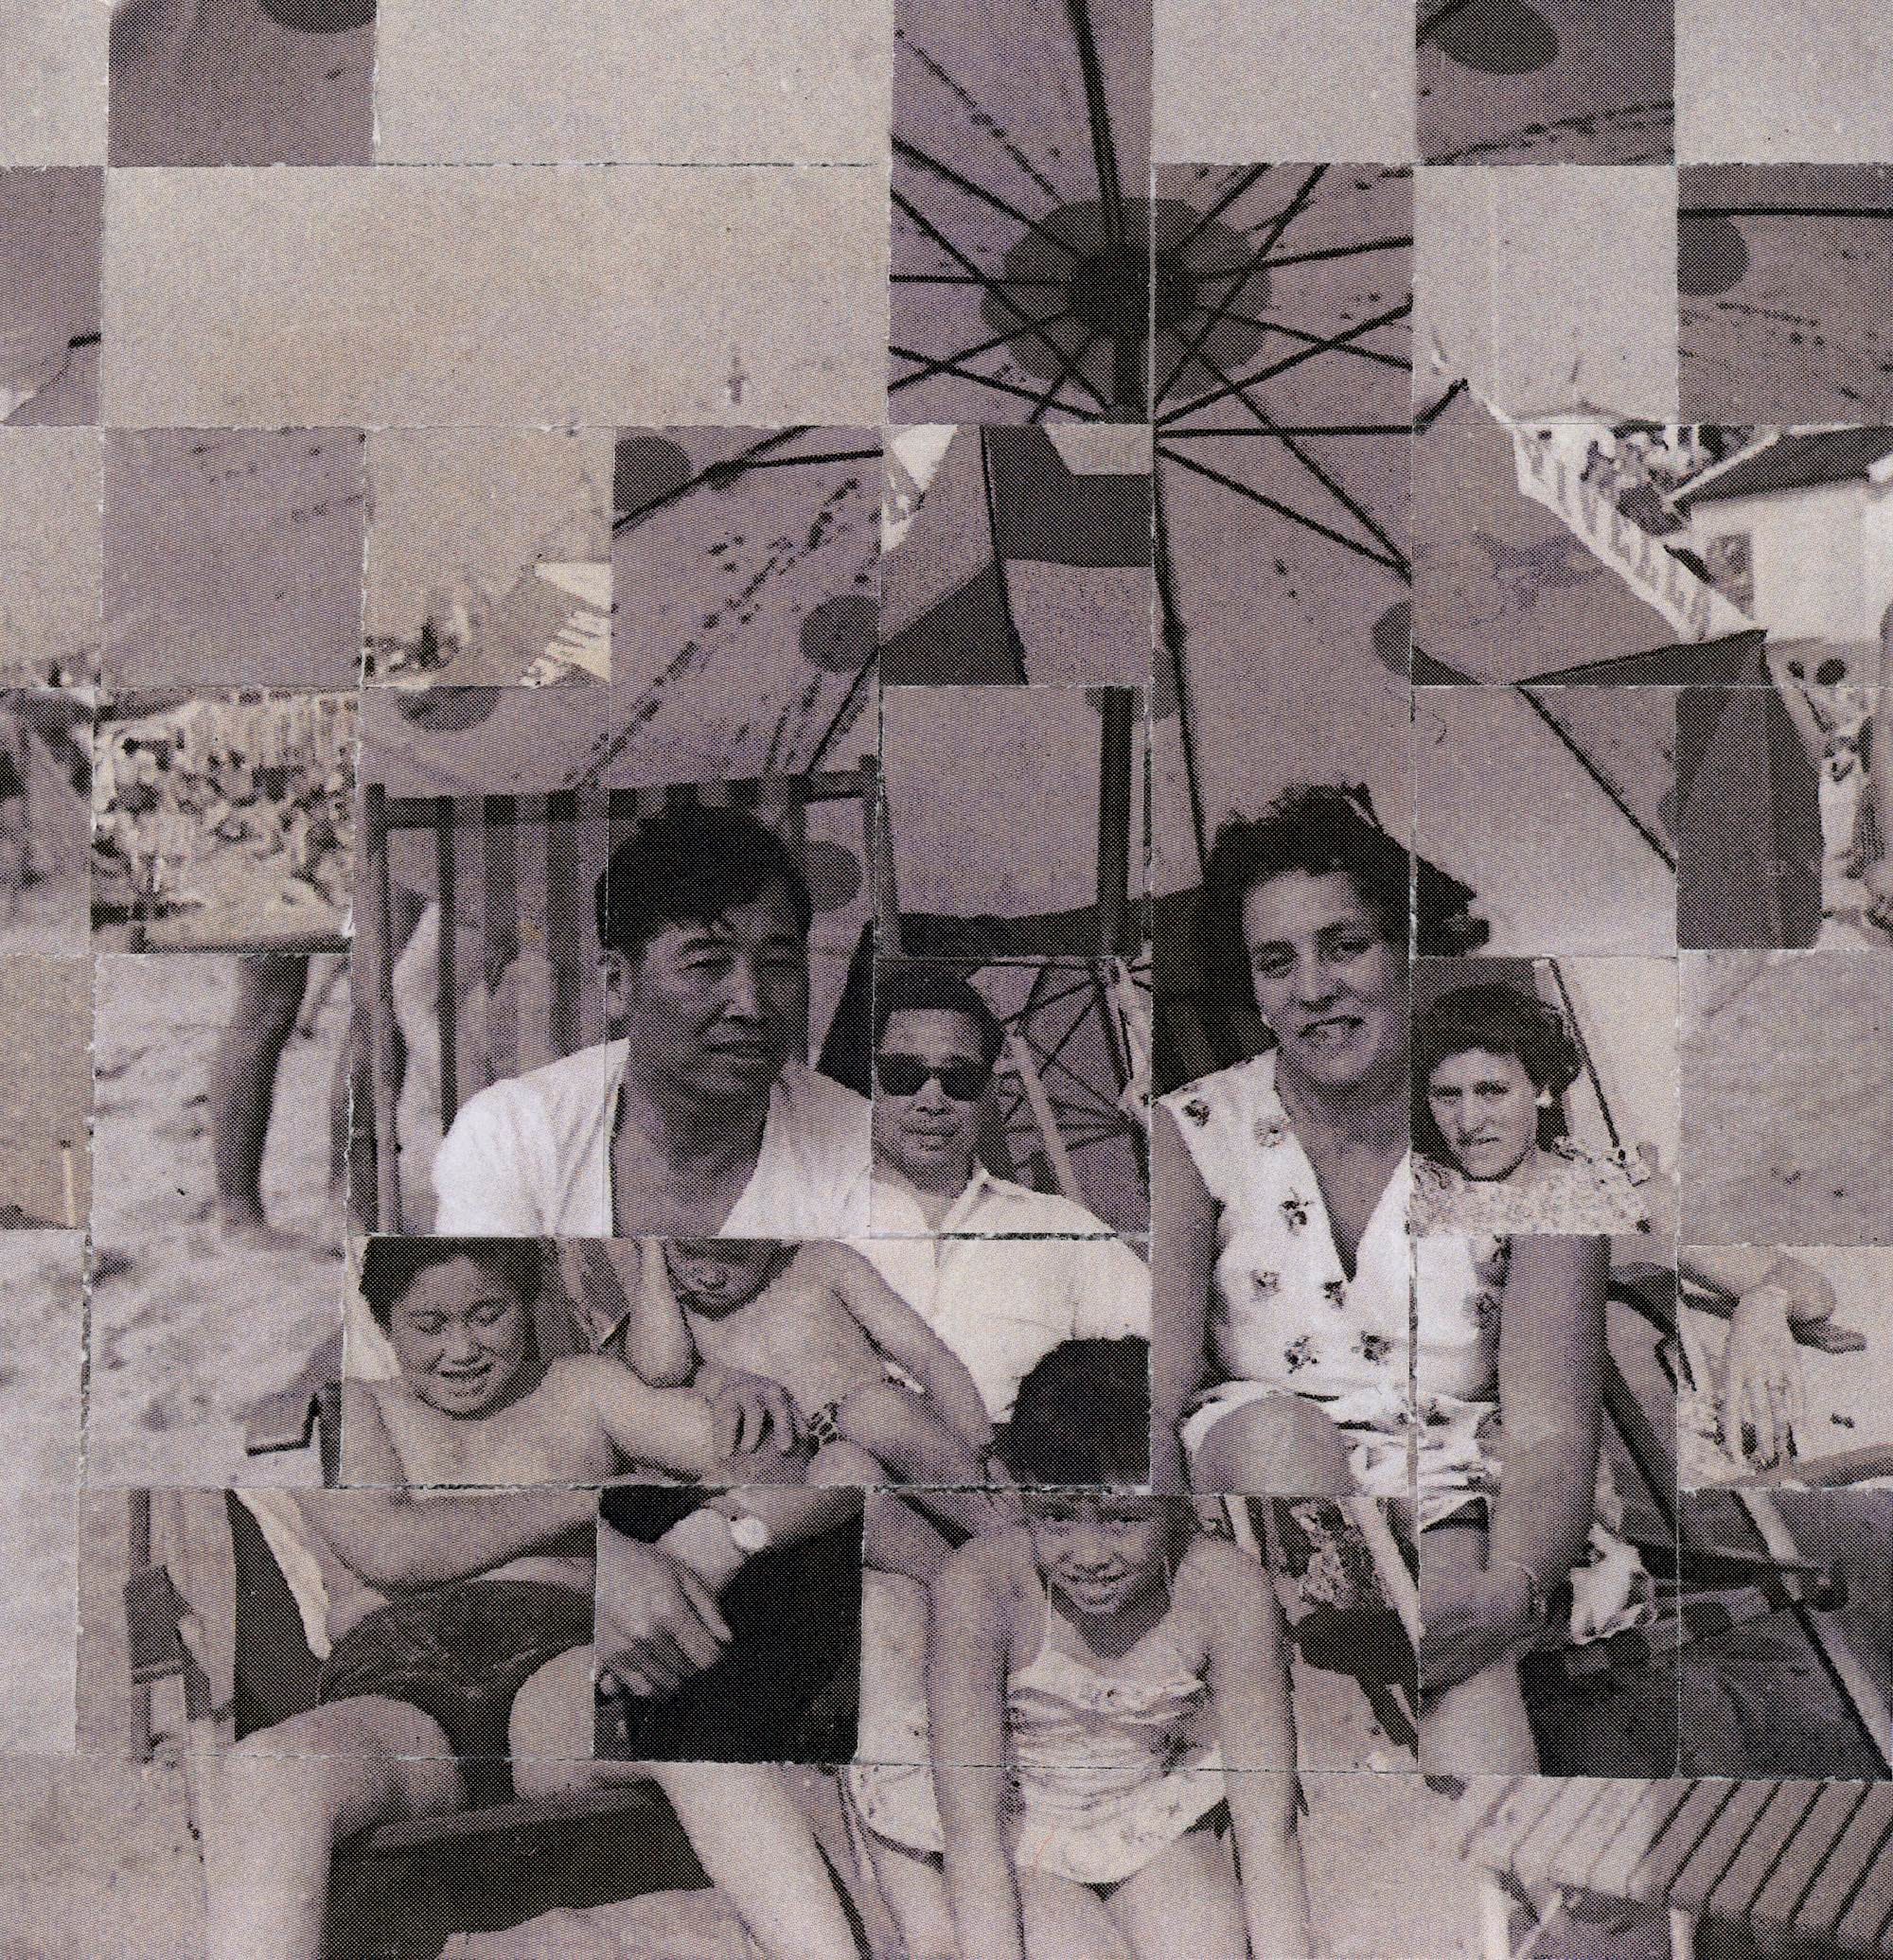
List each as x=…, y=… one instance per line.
x=531, y=1156
x=1011, y=1273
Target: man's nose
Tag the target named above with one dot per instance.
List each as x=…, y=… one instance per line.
x=1315, y=981
x=742, y=992
x=460, y=1343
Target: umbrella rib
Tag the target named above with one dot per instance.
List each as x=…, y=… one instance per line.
x=1097, y=119
x=967, y=374
x=945, y=362
x=1353, y=251
x=1014, y=644
x=1300, y=429
x=1250, y=176
x=1272, y=231
x=1171, y=632
x=1284, y=510
x=1308, y=463
x=734, y=465
x=1068, y=367
x=995, y=291
x=1258, y=258
x=966, y=279
x=1581, y=757
x=1330, y=346
x=920, y=159
x=1309, y=340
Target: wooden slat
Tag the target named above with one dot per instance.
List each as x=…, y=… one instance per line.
x=593, y=854
x=1859, y=1846
x=1806, y=1858
x=1652, y=1875
x=1525, y=1800
x=1535, y=1850
x=1656, y=1806
x=496, y=870
x=475, y=1053
x=1573, y=1861
x=379, y=953
x=1767, y=1843
x=632, y=805
x=1720, y=1845
x=568, y=940
x=1864, y=1927
x=446, y=959
x=530, y=986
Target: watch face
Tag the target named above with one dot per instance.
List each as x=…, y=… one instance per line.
x=749, y=1533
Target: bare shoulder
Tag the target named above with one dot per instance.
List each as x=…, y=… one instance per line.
x=827, y=1262
x=989, y=1579
x=1215, y=1579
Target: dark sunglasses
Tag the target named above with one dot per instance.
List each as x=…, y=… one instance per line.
x=907, y=1075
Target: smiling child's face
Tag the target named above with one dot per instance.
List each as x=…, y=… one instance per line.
x=1101, y=1553
x=462, y=1337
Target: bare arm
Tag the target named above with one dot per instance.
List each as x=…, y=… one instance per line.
x=1183, y=1222
x=660, y=1428
x=966, y=1704
x=907, y=1340
x=1248, y=1678
x=657, y=1337
x=390, y=1538
x=1550, y=1388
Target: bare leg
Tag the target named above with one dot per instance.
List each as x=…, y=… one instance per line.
x=1185, y=1901
x=1279, y=1447
x=1475, y=1727
x=915, y=1887
x=740, y=1818
x=243, y=1082
x=1067, y=1921
x=898, y=1537
x=276, y=1806
x=914, y=1444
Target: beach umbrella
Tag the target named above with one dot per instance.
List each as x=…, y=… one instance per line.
x=1784, y=272
x=1547, y=82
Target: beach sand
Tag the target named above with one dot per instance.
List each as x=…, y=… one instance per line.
x=1788, y=1100
x=187, y=1333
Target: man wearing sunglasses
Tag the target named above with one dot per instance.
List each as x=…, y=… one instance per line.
x=1002, y=1273
x=702, y=1116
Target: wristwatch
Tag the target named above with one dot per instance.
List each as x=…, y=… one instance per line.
x=749, y=1533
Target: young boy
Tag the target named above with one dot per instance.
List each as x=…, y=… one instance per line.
x=817, y=1318
x=460, y=1625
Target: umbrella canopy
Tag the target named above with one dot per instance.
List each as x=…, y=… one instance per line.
x=1525, y=569
x=1547, y=82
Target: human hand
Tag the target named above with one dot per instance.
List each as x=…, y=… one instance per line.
x=1878, y=881
x=1763, y=1389
x=748, y=1410
x=1469, y=1620
x=658, y=1624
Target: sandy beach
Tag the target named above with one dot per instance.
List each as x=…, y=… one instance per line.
x=188, y=1334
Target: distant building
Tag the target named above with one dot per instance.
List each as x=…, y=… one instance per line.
x=1798, y=528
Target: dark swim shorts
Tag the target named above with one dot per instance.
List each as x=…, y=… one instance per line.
x=461, y=1654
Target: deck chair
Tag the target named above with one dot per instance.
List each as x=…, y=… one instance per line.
x=213, y=1627
x=514, y=874
x=1802, y=1859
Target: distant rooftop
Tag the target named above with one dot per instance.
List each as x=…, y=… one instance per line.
x=1794, y=461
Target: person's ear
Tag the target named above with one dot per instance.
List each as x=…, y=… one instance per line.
x=615, y=971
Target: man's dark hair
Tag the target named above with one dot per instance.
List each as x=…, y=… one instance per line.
x=390, y=1266
x=921, y=988
x=1082, y=1418
x=1319, y=830
x=1494, y=1020
x=687, y=867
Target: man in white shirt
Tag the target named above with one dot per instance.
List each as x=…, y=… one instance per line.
x=1000, y=1272
x=703, y=1118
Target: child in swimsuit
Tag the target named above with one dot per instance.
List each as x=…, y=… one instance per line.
x=1109, y=1714
x=460, y=1625
x=819, y=1321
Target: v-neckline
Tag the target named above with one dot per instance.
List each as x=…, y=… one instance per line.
x=1319, y=1205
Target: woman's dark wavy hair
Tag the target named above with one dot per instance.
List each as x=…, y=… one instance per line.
x=1496, y=1019
x=1319, y=830
x=390, y=1266
x=1082, y=1418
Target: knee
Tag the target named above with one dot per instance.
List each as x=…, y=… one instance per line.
x=1281, y=1447
x=874, y=1414
x=847, y=1464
